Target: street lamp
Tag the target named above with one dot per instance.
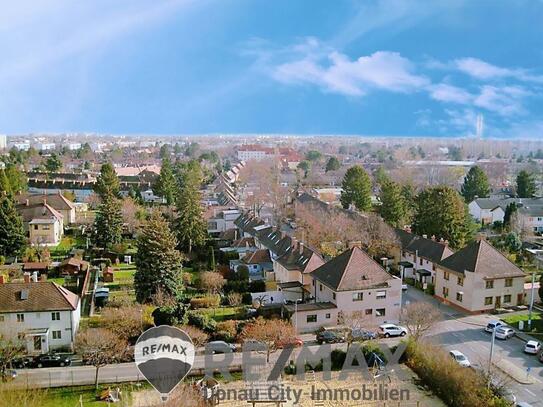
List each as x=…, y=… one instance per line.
x=491, y=352
x=296, y=314
x=532, y=294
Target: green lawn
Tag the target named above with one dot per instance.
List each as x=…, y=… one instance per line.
x=65, y=245
x=58, y=280
x=537, y=322
x=70, y=396
x=223, y=313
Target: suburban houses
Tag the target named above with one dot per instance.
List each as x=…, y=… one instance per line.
x=41, y=313
x=530, y=211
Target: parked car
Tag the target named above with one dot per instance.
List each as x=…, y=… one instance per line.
x=404, y=287
x=220, y=346
x=460, y=358
x=504, y=332
x=532, y=347
x=388, y=330
x=23, y=362
x=492, y=325
x=523, y=404
x=51, y=361
x=296, y=342
x=359, y=334
x=329, y=337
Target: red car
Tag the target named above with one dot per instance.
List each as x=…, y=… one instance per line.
x=296, y=342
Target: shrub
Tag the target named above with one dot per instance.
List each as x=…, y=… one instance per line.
x=430, y=289
x=247, y=299
x=257, y=286
x=338, y=359
x=454, y=384
x=199, y=337
x=171, y=315
x=227, y=331
x=234, y=299
x=202, y=321
x=209, y=301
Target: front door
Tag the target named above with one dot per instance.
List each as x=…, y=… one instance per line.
x=37, y=343
x=498, y=302
x=520, y=299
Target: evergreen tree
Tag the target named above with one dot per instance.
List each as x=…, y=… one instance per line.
x=526, y=187
x=166, y=186
x=510, y=209
x=53, y=163
x=108, y=223
x=475, y=184
x=190, y=225
x=393, y=207
x=165, y=151
x=158, y=262
x=409, y=195
x=17, y=179
x=356, y=189
x=107, y=182
x=381, y=176
x=5, y=187
x=441, y=212
x=12, y=233
x=333, y=164
x=305, y=166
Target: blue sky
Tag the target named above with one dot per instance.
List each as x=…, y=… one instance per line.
x=387, y=67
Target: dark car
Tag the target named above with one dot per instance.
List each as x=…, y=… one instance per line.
x=21, y=363
x=52, y=361
x=363, y=335
x=329, y=337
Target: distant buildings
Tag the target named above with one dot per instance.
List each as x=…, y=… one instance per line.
x=530, y=211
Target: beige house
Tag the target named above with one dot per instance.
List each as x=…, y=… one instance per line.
x=45, y=225
x=56, y=201
x=351, y=287
x=479, y=278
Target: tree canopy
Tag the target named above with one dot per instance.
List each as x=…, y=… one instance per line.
x=356, y=189
x=53, y=163
x=108, y=223
x=12, y=233
x=166, y=185
x=333, y=164
x=107, y=181
x=394, y=208
x=475, y=184
x=158, y=262
x=526, y=187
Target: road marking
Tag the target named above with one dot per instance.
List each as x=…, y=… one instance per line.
x=531, y=392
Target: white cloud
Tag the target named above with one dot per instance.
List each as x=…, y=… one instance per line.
x=449, y=93
x=338, y=73
x=480, y=69
x=506, y=100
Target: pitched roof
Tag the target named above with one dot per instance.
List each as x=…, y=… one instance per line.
x=41, y=296
x=38, y=211
x=57, y=201
x=352, y=270
x=428, y=248
x=257, y=257
x=36, y=265
x=74, y=261
x=481, y=257
x=244, y=242
x=299, y=257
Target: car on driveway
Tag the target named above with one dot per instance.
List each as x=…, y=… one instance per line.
x=294, y=341
x=388, y=330
x=21, y=363
x=51, y=361
x=532, y=347
x=492, y=325
x=329, y=337
x=504, y=332
x=460, y=358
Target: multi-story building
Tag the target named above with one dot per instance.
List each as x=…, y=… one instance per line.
x=479, y=278
x=42, y=314
x=254, y=152
x=352, y=286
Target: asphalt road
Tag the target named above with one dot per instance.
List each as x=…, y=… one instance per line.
x=466, y=334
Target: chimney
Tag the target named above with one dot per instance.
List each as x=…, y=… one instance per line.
x=35, y=276
x=26, y=277
x=43, y=277
x=2, y=279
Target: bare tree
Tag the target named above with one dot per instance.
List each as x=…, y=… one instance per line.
x=234, y=299
x=99, y=347
x=199, y=337
x=354, y=321
x=271, y=332
x=125, y=321
x=131, y=214
x=9, y=350
x=212, y=281
x=419, y=317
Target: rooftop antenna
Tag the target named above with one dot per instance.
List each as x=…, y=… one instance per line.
x=480, y=126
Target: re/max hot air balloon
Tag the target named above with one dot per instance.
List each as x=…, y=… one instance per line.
x=164, y=355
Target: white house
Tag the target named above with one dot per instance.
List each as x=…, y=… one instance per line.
x=487, y=210
x=41, y=313
x=222, y=220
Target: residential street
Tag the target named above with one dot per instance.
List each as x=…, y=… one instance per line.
x=466, y=334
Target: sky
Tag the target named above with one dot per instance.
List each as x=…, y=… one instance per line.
x=373, y=67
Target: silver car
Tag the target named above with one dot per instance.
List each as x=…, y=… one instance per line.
x=504, y=332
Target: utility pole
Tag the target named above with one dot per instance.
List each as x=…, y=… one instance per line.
x=491, y=352
x=532, y=295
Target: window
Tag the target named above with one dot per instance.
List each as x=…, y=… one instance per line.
x=461, y=281
x=57, y=335
x=334, y=296
x=55, y=316
x=380, y=312
x=369, y=311
x=459, y=297
x=420, y=261
x=20, y=317
x=311, y=318
x=358, y=296
x=35, y=227
x=381, y=295
x=328, y=316
x=446, y=275
x=509, y=282
x=45, y=227
x=490, y=284
x=507, y=299
x=1, y=318
x=445, y=292
x=320, y=287
x=433, y=267
x=313, y=282
x=488, y=300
